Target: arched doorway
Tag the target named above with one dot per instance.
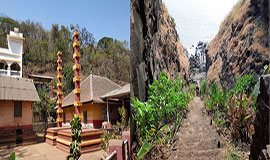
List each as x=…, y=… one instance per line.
x=15, y=69
x=3, y=68
x=3, y=64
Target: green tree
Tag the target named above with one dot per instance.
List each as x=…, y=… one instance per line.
x=45, y=107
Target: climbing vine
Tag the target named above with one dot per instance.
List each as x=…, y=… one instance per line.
x=76, y=129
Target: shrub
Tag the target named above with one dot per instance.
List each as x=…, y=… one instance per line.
x=192, y=89
x=203, y=88
x=215, y=99
x=245, y=84
x=166, y=100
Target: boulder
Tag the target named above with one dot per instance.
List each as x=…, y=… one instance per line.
x=260, y=139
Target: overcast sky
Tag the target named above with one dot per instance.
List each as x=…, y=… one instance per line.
x=198, y=19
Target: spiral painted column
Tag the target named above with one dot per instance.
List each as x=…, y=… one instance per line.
x=76, y=68
x=59, y=90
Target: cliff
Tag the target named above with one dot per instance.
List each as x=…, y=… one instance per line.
x=155, y=46
x=241, y=45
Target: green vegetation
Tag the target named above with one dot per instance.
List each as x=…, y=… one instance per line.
x=233, y=156
x=203, y=88
x=13, y=157
x=111, y=134
x=192, y=89
x=173, y=21
x=235, y=109
x=123, y=114
x=166, y=104
x=76, y=129
x=108, y=57
x=44, y=108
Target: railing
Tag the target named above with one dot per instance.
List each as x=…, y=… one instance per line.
x=112, y=156
x=125, y=156
x=13, y=73
x=3, y=72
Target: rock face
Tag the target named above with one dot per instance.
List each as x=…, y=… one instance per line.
x=155, y=46
x=241, y=45
x=260, y=139
x=197, y=63
x=262, y=6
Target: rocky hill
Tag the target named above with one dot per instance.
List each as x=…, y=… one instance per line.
x=241, y=45
x=197, y=63
x=155, y=45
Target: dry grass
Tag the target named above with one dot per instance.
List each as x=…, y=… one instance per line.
x=236, y=45
x=214, y=71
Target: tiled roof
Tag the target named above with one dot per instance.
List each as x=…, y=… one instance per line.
x=19, y=89
x=93, y=87
x=123, y=91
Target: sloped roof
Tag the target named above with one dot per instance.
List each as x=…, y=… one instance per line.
x=93, y=87
x=123, y=91
x=18, y=89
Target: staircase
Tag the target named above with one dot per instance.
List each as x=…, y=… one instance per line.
x=197, y=139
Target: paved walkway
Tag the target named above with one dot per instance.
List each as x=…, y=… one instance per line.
x=44, y=151
x=197, y=139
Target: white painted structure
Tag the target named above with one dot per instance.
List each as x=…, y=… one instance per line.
x=11, y=58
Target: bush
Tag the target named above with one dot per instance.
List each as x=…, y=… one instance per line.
x=192, y=89
x=203, y=88
x=166, y=102
x=215, y=99
x=233, y=108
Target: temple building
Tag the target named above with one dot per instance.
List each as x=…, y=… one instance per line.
x=17, y=94
x=97, y=104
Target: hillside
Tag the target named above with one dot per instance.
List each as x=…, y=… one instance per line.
x=156, y=46
x=107, y=57
x=241, y=45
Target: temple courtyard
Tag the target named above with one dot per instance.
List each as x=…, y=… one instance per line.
x=44, y=151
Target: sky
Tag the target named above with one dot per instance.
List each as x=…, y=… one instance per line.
x=198, y=19
x=108, y=18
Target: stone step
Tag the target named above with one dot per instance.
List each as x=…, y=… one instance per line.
x=193, y=158
x=197, y=145
x=196, y=137
x=190, y=154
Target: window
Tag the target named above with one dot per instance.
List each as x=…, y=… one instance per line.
x=17, y=109
x=85, y=117
x=2, y=65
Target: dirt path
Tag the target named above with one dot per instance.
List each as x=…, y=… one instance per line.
x=197, y=139
x=44, y=151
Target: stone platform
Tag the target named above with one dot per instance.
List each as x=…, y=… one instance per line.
x=91, y=140
x=51, y=134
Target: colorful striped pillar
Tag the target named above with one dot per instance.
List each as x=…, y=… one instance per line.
x=59, y=90
x=76, y=68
